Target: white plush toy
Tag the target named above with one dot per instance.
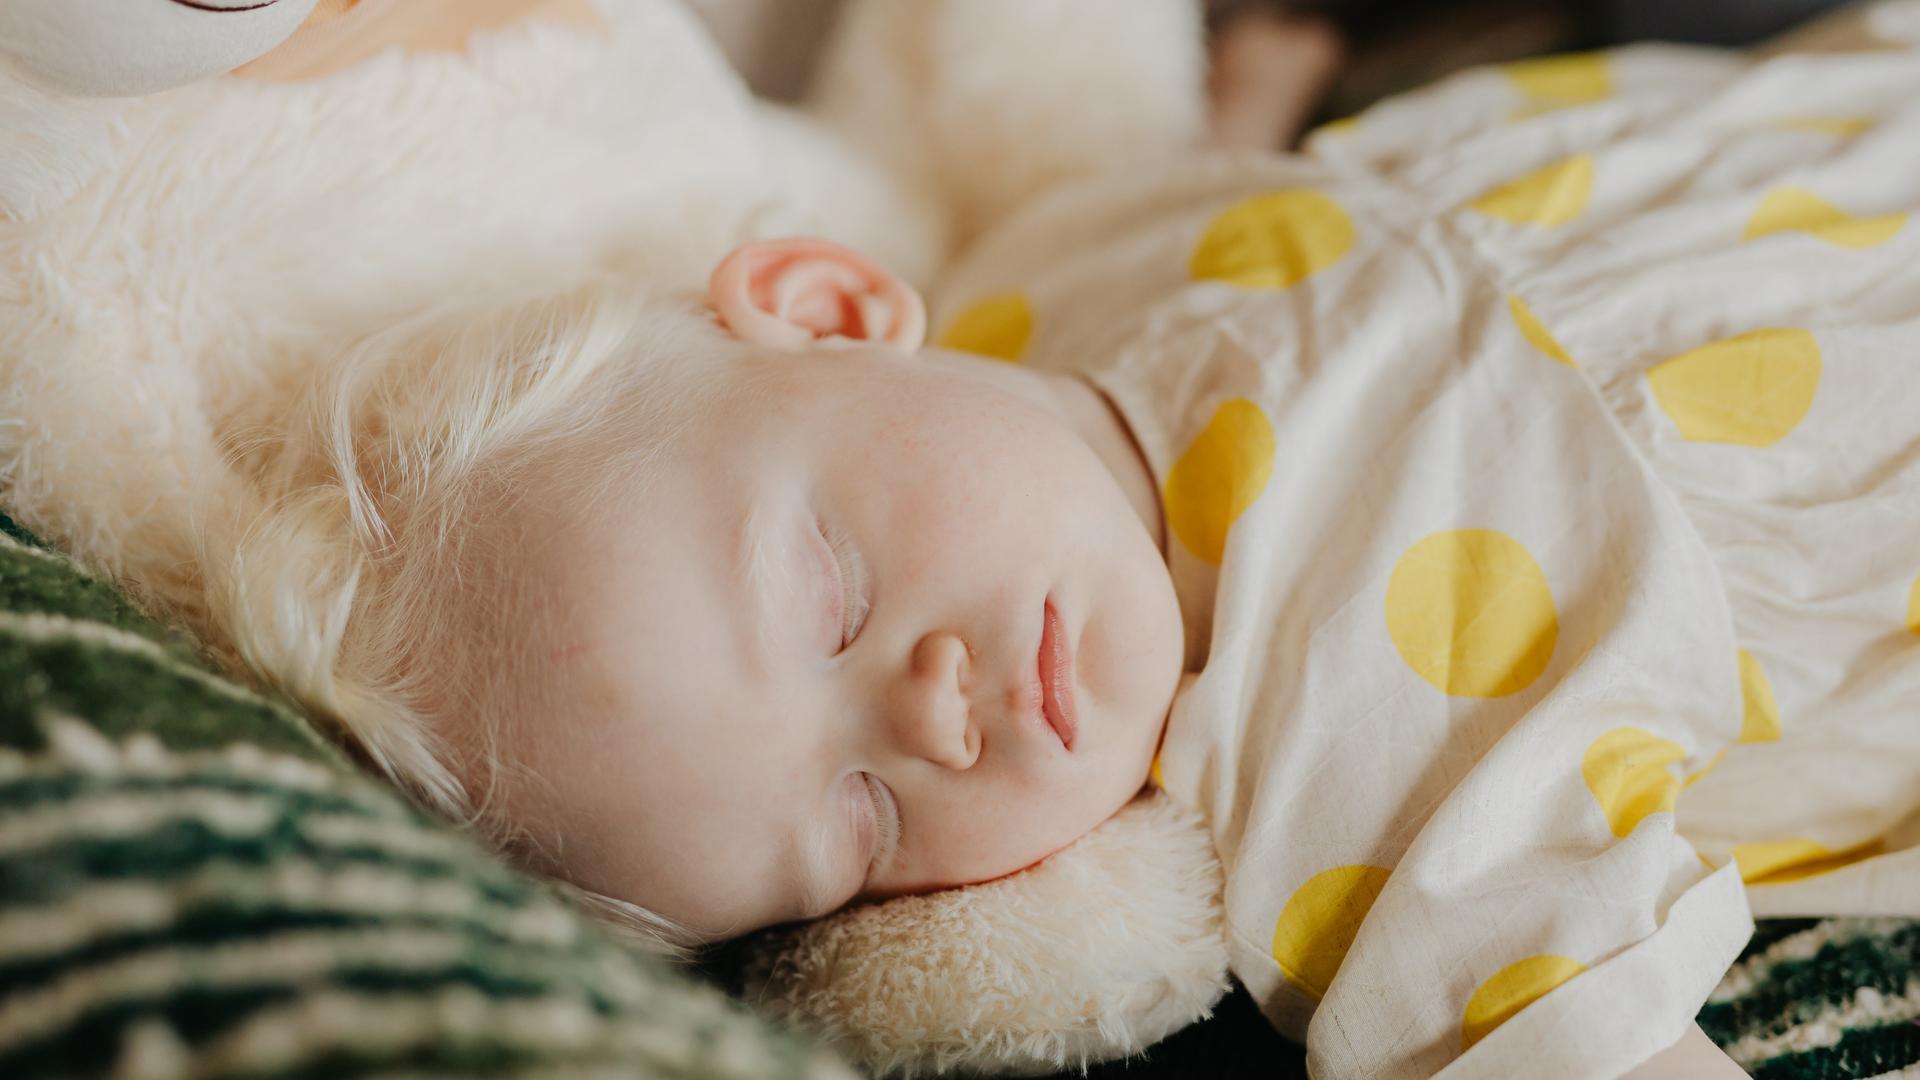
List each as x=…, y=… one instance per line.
x=120, y=47
x=55, y=54
x=174, y=257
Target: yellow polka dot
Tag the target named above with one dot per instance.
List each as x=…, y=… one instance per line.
x=1799, y=210
x=1843, y=126
x=1154, y=774
x=1273, y=241
x=997, y=326
x=1511, y=989
x=1546, y=197
x=1571, y=79
x=1760, y=713
x=1318, y=925
x=1471, y=613
x=1218, y=477
x=1750, y=390
x=1772, y=862
x=1913, y=607
x=1335, y=127
x=1626, y=770
x=1535, y=333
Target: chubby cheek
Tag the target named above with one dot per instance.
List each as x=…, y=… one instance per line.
x=1131, y=649
x=989, y=838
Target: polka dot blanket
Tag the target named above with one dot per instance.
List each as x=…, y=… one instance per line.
x=1543, y=479
x=1810, y=999
x=1822, y=1000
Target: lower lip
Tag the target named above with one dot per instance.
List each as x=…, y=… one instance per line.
x=1056, y=678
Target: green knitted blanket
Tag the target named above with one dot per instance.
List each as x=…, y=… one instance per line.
x=193, y=883
x=1822, y=999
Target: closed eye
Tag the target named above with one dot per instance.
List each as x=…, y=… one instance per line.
x=886, y=816
x=853, y=582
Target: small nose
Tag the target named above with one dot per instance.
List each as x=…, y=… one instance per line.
x=932, y=717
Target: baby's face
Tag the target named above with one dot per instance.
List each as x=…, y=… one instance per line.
x=824, y=620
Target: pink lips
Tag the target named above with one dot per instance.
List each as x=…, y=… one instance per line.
x=1056, y=677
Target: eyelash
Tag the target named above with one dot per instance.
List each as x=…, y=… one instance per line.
x=853, y=618
x=853, y=591
x=887, y=829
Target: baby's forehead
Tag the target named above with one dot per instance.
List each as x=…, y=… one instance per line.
x=669, y=474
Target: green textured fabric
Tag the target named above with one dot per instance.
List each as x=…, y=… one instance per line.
x=1827, y=999
x=193, y=883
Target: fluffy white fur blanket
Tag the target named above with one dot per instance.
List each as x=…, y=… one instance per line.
x=219, y=239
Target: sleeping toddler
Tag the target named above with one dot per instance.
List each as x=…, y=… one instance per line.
x=1501, y=523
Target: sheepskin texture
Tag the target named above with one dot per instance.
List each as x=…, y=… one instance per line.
x=1097, y=952
x=173, y=266
x=53, y=145
x=232, y=234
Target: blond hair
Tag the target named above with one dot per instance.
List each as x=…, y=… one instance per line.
x=349, y=589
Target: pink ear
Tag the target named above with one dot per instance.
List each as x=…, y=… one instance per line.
x=790, y=293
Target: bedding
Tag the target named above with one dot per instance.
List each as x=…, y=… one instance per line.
x=193, y=883
x=1809, y=999
x=209, y=286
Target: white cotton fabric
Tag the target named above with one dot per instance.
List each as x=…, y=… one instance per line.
x=1759, y=493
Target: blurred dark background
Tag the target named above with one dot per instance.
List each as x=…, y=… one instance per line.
x=1392, y=45
x=1396, y=45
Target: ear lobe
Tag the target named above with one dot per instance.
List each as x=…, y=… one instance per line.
x=793, y=292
